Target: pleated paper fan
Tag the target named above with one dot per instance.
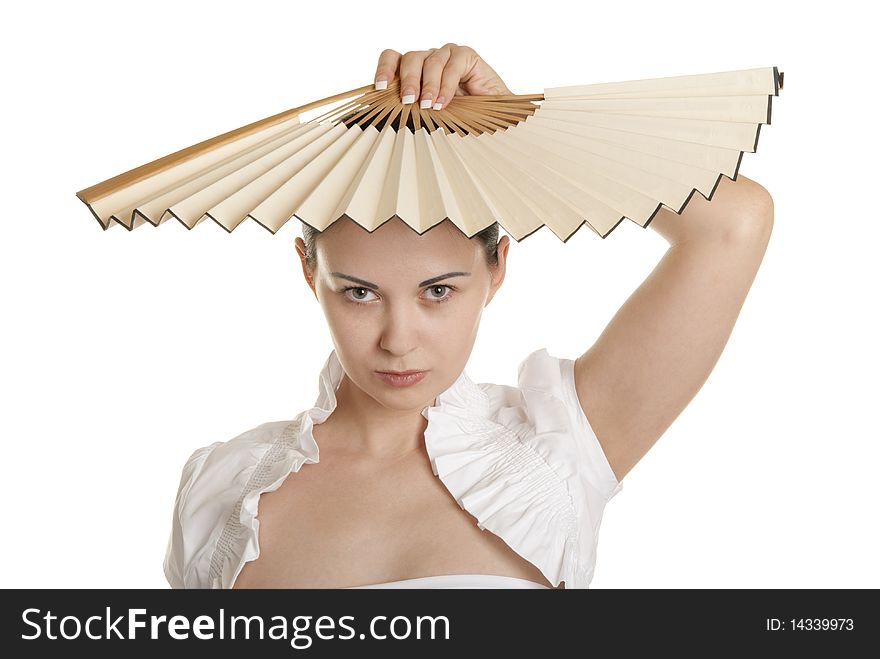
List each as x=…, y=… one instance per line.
x=586, y=154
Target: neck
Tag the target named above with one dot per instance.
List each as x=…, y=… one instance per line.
x=364, y=427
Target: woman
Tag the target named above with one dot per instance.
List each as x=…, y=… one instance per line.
x=433, y=480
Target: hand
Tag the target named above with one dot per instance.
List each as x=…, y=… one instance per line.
x=437, y=75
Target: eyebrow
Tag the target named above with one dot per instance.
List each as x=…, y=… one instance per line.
x=427, y=282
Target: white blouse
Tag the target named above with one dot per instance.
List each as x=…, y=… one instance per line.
x=523, y=461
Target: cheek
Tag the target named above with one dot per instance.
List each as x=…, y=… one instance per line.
x=470, y=310
x=344, y=318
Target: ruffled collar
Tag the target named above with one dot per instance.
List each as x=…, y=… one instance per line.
x=462, y=394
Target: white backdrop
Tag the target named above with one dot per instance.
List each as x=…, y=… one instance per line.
x=123, y=352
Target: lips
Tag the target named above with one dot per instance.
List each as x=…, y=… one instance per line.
x=401, y=378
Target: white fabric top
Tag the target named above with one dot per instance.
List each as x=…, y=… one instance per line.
x=523, y=461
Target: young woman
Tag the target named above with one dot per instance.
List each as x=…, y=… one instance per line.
x=430, y=479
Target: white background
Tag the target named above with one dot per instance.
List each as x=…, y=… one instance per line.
x=122, y=351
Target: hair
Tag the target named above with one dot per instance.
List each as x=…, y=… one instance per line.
x=488, y=239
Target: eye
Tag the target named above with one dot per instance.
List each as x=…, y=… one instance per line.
x=360, y=291
x=444, y=298
x=358, y=297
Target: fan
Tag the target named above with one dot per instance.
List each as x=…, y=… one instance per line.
x=588, y=154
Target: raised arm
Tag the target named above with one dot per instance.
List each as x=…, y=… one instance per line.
x=660, y=346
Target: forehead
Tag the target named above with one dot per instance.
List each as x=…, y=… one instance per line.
x=395, y=247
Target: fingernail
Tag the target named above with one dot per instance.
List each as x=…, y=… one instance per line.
x=426, y=103
x=409, y=97
x=381, y=84
x=439, y=103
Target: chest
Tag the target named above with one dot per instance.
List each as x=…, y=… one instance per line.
x=335, y=524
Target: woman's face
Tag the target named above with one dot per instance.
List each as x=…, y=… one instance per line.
x=398, y=301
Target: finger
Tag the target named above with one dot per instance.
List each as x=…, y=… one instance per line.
x=461, y=59
x=411, y=75
x=386, y=69
x=432, y=71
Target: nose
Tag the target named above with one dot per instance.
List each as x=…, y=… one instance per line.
x=400, y=331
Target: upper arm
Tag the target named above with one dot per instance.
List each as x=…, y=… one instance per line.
x=659, y=348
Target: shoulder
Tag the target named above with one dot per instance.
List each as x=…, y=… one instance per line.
x=213, y=469
x=554, y=423
x=229, y=455
x=542, y=413
x=244, y=447
x=211, y=481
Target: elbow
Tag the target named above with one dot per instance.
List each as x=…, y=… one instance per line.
x=753, y=220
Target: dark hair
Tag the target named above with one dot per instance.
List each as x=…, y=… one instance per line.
x=488, y=237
